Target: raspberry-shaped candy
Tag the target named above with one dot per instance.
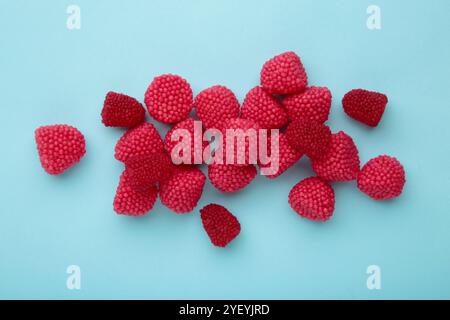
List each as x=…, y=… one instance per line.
x=220, y=224
x=186, y=137
x=341, y=163
x=229, y=177
x=169, y=98
x=60, y=147
x=287, y=156
x=216, y=104
x=365, y=106
x=284, y=74
x=309, y=137
x=264, y=109
x=243, y=135
x=313, y=104
x=313, y=199
x=120, y=110
x=133, y=203
x=183, y=189
x=141, y=140
x=144, y=171
x=382, y=178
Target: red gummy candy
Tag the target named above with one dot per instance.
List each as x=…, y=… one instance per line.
x=182, y=191
x=229, y=177
x=220, y=224
x=312, y=198
x=169, y=98
x=141, y=140
x=313, y=104
x=215, y=105
x=284, y=74
x=264, y=109
x=133, y=203
x=60, y=147
x=341, y=163
x=120, y=110
x=145, y=171
x=382, y=178
x=365, y=106
x=309, y=137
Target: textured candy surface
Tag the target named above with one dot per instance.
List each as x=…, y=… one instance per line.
x=120, y=110
x=309, y=137
x=216, y=104
x=313, y=104
x=231, y=178
x=220, y=224
x=145, y=171
x=183, y=189
x=287, y=156
x=141, y=140
x=181, y=138
x=243, y=137
x=341, y=163
x=382, y=178
x=313, y=199
x=264, y=109
x=365, y=106
x=133, y=203
x=169, y=98
x=60, y=147
x=284, y=74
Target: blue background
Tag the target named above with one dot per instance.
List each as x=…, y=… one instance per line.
x=49, y=74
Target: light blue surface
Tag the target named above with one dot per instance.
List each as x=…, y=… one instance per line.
x=49, y=74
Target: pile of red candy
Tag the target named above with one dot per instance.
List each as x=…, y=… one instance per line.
x=282, y=101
